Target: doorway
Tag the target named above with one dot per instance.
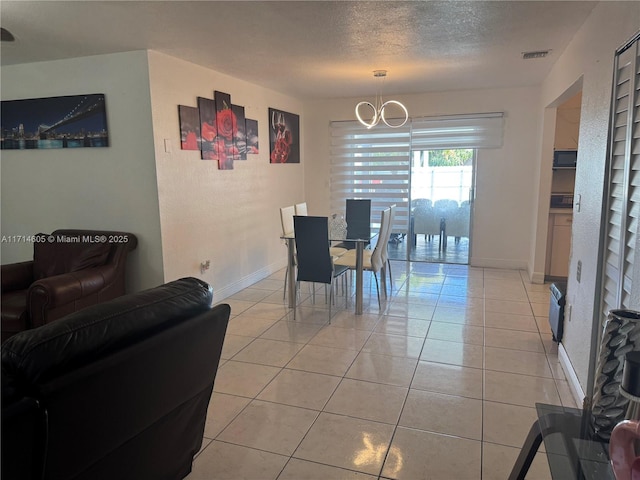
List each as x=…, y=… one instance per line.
x=440, y=204
x=559, y=231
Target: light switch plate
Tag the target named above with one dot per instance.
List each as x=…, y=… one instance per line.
x=579, y=271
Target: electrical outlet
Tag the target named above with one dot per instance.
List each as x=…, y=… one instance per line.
x=579, y=271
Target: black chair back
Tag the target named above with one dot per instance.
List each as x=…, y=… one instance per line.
x=358, y=218
x=312, y=249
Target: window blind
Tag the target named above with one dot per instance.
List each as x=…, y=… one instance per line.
x=457, y=131
x=623, y=190
x=375, y=163
x=371, y=164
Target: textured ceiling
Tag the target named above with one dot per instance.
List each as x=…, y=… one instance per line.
x=311, y=49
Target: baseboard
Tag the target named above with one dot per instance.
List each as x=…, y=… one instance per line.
x=497, y=263
x=536, y=277
x=572, y=378
x=228, y=290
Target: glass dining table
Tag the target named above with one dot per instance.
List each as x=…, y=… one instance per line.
x=360, y=244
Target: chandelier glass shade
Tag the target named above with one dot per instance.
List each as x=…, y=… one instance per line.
x=370, y=115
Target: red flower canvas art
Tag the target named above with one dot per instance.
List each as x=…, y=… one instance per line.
x=218, y=129
x=189, y=128
x=208, y=129
x=226, y=123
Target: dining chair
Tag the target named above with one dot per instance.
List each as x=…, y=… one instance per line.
x=358, y=218
x=445, y=209
x=385, y=248
x=301, y=208
x=286, y=219
x=426, y=221
x=457, y=225
x=315, y=263
x=420, y=202
x=372, y=260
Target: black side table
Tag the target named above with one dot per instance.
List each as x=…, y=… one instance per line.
x=571, y=451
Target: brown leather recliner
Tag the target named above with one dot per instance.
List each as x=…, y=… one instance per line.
x=70, y=270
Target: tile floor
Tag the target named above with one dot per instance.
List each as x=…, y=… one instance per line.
x=439, y=384
x=426, y=250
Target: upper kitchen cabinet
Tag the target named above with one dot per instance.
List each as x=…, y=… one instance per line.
x=568, y=124
x=566, y=138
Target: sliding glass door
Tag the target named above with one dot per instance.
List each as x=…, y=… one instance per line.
x=441, y=198
x=426, y=168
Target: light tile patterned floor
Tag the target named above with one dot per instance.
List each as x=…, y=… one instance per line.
x=441, y=383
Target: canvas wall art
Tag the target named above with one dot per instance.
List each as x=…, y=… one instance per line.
x=189, y=128
x=225, y=121
x=218, y=129
x=208, y=129
x=284, y=137
x=239, y=133
x=253, y=146
x=56, y=122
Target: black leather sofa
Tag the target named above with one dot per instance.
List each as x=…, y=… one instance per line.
x=116, y=391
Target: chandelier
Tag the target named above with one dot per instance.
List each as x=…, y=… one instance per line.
x=377, y=110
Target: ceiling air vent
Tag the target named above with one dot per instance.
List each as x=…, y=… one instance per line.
x=536, y=54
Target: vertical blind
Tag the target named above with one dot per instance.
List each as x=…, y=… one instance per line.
x=623, y=195
x=376, y=163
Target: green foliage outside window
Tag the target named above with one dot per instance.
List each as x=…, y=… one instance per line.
x=449, y=158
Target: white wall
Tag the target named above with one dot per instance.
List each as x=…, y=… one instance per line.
x=503, y=217
x=230, y=217
x=111, y=188
x=590, y=57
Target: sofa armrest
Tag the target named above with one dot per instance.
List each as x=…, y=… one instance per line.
x=16, y=276
x=53, y=292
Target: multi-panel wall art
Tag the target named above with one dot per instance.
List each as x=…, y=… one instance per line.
x=55, y=122
x=218, y=129
x=190, y=137
x=252, y=136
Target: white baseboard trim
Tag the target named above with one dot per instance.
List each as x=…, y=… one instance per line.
x=228, y=290
x=536, y=277
x=572, y=378
x=497, y=263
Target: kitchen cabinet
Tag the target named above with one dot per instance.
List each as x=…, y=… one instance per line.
x=559, y=244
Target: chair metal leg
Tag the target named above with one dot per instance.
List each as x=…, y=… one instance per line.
x=330, y=297
x=295, y=301
x=377, y=290
x=383, y=280
x=390, y=279
x=284, y=293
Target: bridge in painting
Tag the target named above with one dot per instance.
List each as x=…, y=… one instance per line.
x=89, y=105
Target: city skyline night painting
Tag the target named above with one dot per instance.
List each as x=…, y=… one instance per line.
x=55, y=122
